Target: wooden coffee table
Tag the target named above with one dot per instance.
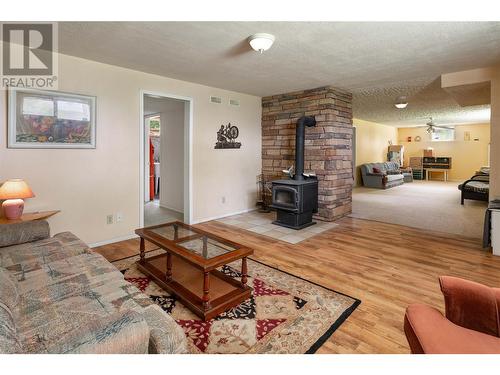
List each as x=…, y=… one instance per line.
x=188, y=269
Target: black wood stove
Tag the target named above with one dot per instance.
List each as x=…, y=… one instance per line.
x=296, y=199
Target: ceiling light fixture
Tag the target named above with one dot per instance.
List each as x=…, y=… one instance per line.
x=401, y=102
x=261, y=41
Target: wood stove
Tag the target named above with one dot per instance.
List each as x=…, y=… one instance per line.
x=296, y=199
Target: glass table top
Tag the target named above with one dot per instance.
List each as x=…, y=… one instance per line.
x=197, y=242
x=206, y=247
x=173, y=232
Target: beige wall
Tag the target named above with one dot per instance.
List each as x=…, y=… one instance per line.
x=89, y=184
x=173, y=122
x=372, y=140
x=467, y=156
x=491, y=74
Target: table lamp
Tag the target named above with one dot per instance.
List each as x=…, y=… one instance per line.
x=14, y=191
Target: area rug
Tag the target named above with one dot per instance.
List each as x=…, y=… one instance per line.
x=286, y=314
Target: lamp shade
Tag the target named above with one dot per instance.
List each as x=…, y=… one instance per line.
x=15, y=189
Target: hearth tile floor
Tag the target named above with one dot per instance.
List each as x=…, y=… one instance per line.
x=261, y=223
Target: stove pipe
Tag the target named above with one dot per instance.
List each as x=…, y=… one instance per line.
x=300, y=135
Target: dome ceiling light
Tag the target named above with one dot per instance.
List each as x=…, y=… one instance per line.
x=401, y=102
x=261, y=41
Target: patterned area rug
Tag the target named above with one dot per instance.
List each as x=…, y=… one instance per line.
x=286, y=314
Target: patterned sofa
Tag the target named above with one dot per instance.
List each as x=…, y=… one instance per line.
x=57, y=296
x=382, y=175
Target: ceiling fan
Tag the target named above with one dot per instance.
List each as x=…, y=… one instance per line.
x=432, y=126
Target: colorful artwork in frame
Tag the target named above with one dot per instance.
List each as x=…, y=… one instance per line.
x=50, y=119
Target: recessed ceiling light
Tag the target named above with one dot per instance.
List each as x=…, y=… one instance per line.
x=261, y=41
x=401, y=102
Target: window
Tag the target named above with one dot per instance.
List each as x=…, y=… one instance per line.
x=65, y=110
x=443, y=134
x=37, y=106
x=72, y=110
x=50, y=119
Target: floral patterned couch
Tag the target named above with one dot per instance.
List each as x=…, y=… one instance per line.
x=57, y=296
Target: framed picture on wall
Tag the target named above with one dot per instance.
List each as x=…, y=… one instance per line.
x=50, y=119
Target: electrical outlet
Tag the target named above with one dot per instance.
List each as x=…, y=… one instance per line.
x=109, y=219
x=119, y=217
x=223, y=199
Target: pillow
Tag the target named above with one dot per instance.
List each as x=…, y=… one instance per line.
x=394, y=172
x=19, y=233
x=376, y=170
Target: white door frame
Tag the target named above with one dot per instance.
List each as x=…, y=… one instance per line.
x=188, y=156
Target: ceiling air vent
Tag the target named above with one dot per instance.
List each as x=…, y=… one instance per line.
x=215, y=99
x=234, y=102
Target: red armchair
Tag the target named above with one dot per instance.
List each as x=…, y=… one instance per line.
x=471, y=325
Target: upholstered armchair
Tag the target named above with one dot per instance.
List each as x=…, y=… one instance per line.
x=471, y=323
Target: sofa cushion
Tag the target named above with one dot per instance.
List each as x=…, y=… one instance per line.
x=59, y=309
x=9, y=292
x=28, y=257
x=9, y=342
x=394, y=177
x=392, y=166
x=19, y=233
x=476, y=187
x=369, y=168
x=91, y=268
x=120, y=332
x=429, y=332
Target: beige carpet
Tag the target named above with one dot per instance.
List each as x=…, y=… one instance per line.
x=432, y=205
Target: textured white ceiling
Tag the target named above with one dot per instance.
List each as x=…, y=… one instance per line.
x=425, y=98
x=376, y=61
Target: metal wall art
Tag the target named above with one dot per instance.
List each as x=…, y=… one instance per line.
x=226, y=136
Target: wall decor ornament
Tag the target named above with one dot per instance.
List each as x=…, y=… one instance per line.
x=50, y=119
x=418, y=138
x=226, y=136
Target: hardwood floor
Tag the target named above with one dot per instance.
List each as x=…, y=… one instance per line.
x=387, y=266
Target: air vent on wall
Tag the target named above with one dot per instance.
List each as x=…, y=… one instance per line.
x=215, y=99
x=234, y=102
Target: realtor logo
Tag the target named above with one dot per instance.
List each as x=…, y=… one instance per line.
x=29, y=56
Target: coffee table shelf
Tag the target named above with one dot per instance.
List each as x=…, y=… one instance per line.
x=188, y=269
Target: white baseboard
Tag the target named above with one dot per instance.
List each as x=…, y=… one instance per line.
x=225, y=215
x=130, y=236
x=172, y=209
x=113, y=240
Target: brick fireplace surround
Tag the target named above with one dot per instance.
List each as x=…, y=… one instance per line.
x=328, y=146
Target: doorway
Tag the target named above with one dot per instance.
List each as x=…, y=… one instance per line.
x=165, y=194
